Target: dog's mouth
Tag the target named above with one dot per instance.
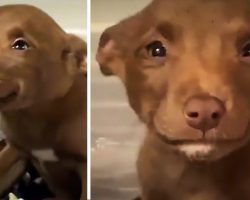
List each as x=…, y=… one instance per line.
x=8, y=98
x=205, y=141
x=206, y=149
x=8, y=94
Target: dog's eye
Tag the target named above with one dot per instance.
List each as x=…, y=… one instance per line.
x=246, y=50
x=20, y=44
x=156, y=49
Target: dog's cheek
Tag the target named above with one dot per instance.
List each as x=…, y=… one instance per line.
x=168, y=118
x=26, y=69
x=29, y=89
x=239, y=112
x=145, y=89
x=49, y=78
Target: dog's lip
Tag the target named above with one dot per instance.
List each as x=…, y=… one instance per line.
x=177, y=142
x=8, y=94
x=8, y=98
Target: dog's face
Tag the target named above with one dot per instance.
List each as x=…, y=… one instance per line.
x=186, y=68
x=38, y=60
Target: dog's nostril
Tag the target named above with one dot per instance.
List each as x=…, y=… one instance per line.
x=193, y=114
x=215, y=115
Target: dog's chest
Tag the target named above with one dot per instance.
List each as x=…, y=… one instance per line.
x=29, y=134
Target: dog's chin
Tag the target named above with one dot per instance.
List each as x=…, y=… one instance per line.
x=201, y=152
x=205, y=152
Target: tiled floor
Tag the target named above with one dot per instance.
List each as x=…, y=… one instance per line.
x=116, y=131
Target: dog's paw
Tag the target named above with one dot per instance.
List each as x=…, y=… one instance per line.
x=13, y=197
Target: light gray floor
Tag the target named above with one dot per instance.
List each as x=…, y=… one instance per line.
x=116, y=131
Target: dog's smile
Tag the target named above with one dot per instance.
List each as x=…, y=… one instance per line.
x=205, y=149
x=202, y=140
x=9, y=97
x=8, y=93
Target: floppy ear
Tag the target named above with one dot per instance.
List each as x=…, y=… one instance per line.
x=116, y=42
x=109, y=53
x=77, y=53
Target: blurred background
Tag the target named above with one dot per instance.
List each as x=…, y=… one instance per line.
x=71, y=16
x=116, y=131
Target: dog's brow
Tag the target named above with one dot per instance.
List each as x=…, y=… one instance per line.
x=15, y=32
x=243, y=36
x=167, y=30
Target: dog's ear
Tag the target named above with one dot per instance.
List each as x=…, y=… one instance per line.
x=109, y=53
x=76, y=52
x=117, y=41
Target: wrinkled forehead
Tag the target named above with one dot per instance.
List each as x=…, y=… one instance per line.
x=201, y=8
x=177, y=19
x=19, y=21
x=203, y=15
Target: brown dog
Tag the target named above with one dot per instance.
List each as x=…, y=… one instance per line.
x=43, y=96
x=186, y=68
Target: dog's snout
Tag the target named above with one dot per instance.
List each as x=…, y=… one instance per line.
x=204, y=112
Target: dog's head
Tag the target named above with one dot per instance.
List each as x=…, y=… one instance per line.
x=186, y=68
x=38, y=60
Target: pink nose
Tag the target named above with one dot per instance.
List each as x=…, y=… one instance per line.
x=204, y=112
